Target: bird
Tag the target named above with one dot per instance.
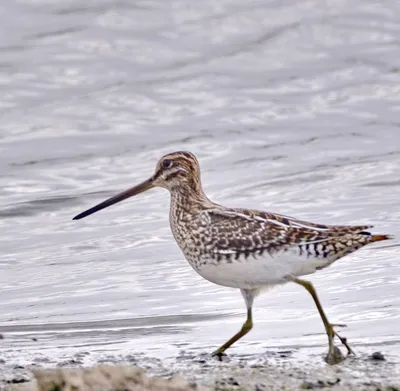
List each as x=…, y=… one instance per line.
x=247, y=249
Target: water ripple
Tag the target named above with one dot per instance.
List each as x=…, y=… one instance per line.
x=290, y=107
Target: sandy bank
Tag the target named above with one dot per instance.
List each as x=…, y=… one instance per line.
x=203, y=373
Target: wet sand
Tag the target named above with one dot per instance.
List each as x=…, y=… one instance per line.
x=275, y=371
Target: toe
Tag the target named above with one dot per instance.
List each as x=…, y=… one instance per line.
x=219, y=355
x=339, y=325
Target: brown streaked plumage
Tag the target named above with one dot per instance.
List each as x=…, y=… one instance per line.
x=246, y=249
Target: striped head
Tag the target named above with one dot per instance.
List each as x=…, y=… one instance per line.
x=175, y=171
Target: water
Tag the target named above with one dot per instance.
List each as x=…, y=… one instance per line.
x=291, y=107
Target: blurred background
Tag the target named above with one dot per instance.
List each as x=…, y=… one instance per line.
x=290, y=107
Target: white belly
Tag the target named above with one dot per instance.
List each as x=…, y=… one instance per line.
x=260, y=271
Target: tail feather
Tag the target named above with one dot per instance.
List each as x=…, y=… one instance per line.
x=378, y=238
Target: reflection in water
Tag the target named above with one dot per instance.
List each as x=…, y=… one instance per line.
x=290, y=107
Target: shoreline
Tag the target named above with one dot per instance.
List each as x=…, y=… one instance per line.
x=272, y=371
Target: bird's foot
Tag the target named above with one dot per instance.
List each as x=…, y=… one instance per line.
x=335, y=356
x=220, y=356
x=343, y=340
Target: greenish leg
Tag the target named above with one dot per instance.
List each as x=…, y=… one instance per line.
x=249, y=295
x=247, y=326
x=334, y=354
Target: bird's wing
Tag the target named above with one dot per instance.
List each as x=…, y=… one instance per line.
x=248, y=232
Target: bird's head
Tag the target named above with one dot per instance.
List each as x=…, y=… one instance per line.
x=175, y=171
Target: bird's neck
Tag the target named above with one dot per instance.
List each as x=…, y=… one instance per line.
x=189, y=198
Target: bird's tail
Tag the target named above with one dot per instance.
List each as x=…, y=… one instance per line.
x=378, y=238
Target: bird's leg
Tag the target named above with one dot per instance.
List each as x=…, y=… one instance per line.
x=247, y=326
x=334, y=355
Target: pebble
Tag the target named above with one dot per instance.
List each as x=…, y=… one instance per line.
x=378, y=356
x=17, y=380
x=307, y=385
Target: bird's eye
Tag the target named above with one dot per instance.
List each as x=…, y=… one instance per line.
x=167, y=163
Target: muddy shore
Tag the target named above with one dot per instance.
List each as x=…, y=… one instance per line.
x=273, y=371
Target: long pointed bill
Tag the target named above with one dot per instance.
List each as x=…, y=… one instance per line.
x=148, y=184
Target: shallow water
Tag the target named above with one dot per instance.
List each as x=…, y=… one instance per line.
x=291, y=107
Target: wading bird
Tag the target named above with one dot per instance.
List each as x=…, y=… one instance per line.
x=246, y=249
